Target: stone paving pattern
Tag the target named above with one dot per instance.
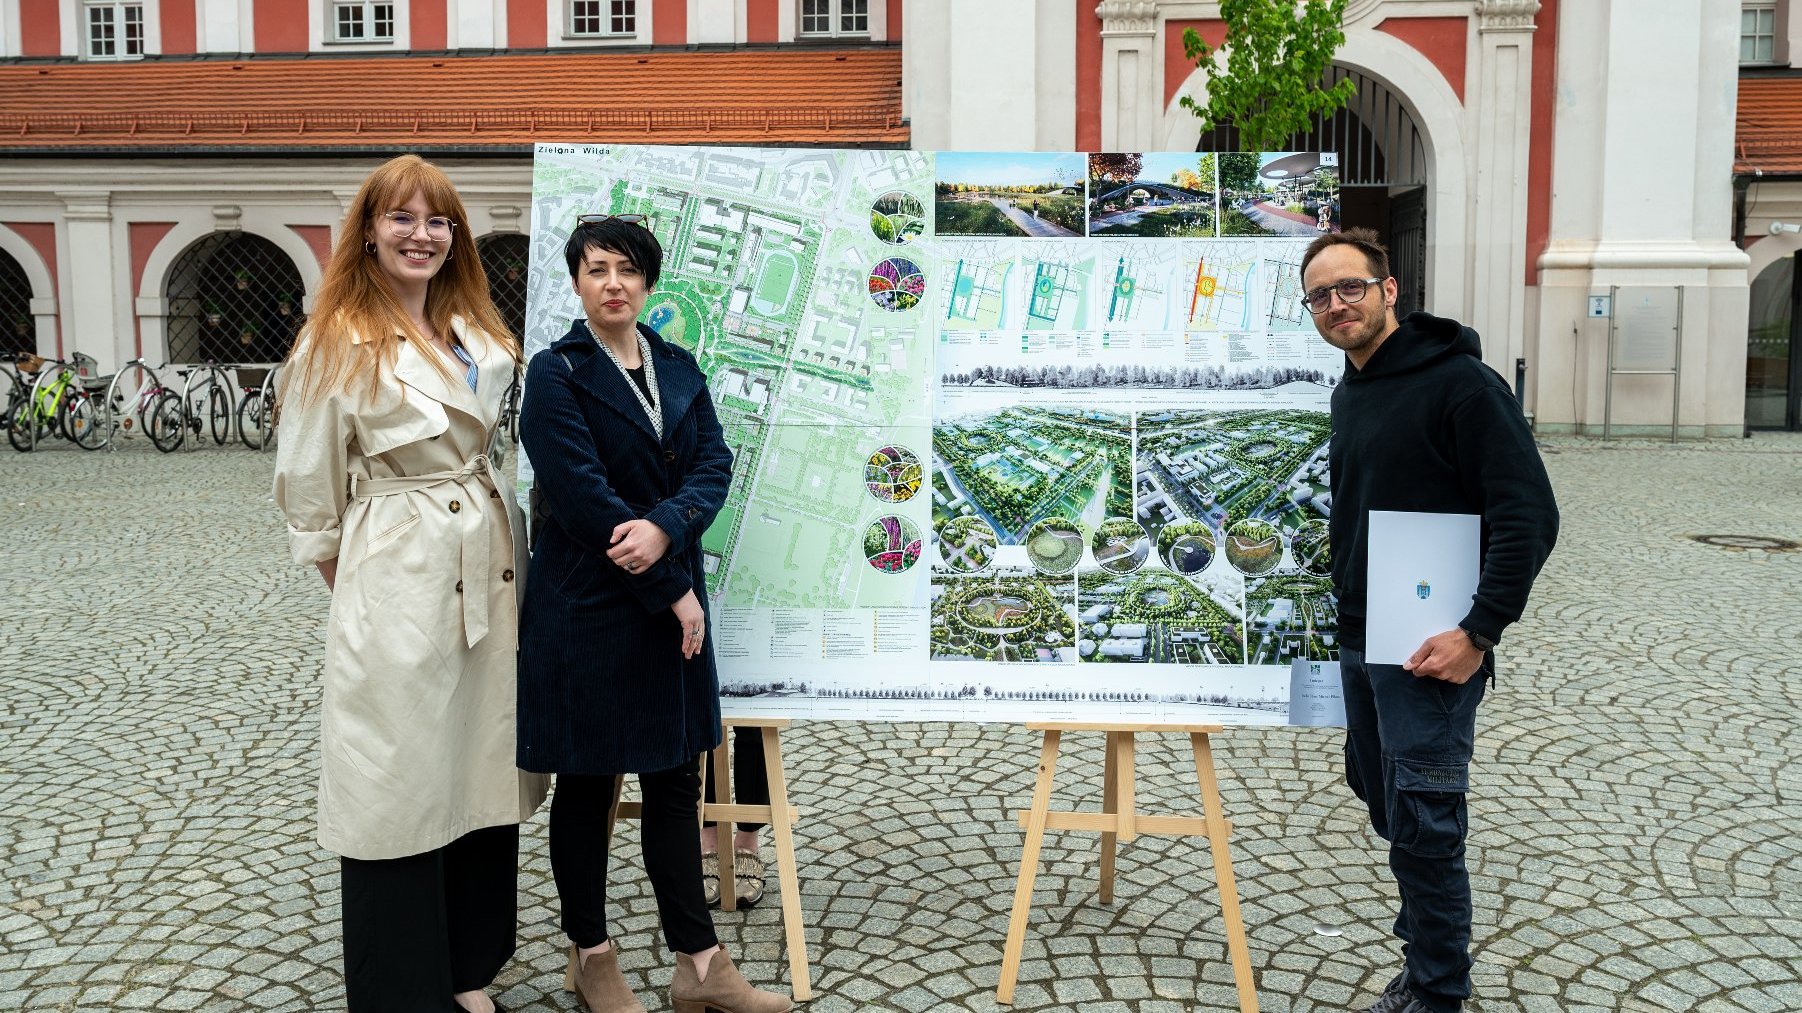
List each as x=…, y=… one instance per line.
x=1638, y=786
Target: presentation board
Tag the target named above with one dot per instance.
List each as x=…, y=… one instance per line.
x=1015, y=435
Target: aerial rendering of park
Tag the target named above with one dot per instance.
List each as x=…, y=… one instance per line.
x=1224, y=467
x=966, y=544
x=1019, y=465
x=1036, y=194
x=1291, y=616
x=1156, y=616
x=1012, y=615
x=1253, y=546
x=1054, y=545
x=1311, y=550
x=1120, y=545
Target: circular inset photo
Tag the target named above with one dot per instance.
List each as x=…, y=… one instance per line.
x=1309, y=547
x=967, y=544
x=897, y=217
x=896, y=284
x=1253, y=546
x=1054, y=545
x=1120, y=545
x=892, y=544
x=1187, y=546
x=892, y=474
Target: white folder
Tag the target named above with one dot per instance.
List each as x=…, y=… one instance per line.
x=1421, y=577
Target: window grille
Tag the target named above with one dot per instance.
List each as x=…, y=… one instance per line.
x=233, y=297
x=18, y=331
x=504, y=260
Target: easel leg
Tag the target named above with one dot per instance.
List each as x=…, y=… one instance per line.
x=1029, y=868
x=1223, y=874
x=1110, y=780
x=782, y=822
x=722, y=792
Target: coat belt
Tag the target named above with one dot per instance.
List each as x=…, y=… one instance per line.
x=476, y=479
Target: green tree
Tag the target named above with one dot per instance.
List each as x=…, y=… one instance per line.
x=1277, y=56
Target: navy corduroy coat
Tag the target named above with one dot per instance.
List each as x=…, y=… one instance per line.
x=603, y=686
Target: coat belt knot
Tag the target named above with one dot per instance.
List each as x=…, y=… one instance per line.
x=476, y=479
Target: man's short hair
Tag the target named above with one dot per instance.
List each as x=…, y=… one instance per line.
x=633, y=242
x=1365, y=240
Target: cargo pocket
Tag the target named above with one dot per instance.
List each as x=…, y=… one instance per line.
x=1429, y=817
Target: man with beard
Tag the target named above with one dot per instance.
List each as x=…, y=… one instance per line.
x=1421, y=424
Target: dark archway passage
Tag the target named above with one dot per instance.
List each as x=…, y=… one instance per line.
x=233, y=297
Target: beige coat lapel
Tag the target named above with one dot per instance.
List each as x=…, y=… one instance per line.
x=445, y=386
x=494, y=369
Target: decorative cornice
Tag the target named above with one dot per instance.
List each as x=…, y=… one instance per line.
x=1128, y=17
x=86, y=205
x=1506, y=15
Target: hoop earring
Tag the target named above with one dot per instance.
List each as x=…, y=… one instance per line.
x=369, y=248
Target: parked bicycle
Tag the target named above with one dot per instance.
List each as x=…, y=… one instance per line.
x=256, y=412
x=60, y=404
x=205, y=404
x=20, y=370
x=130, y=399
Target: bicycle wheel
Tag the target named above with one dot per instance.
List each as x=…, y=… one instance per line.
x=21, y=431
x=83, y=421
x=251, y=415
x=165, y=424
x=219, y=414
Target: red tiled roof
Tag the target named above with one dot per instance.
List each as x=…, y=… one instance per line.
x=1768, y=137
x=838, y=97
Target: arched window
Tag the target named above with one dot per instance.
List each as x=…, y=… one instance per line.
x=504, y=259
x=1770, y=349
x=233, y=297
x=18, y=332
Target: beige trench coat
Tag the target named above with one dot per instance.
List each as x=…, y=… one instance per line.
x=417, y=726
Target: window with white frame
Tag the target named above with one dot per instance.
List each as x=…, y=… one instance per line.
x=1758, y=32
x=833, y=18
x=361, y=21
x=113, y=31
x=595, y=19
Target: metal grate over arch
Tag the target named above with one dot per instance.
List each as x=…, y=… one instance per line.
x=1374, y=134
x=18, y=331
x=504, y=258
x=232, y=297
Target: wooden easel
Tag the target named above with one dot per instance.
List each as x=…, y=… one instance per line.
x=1119, y=822
x=778, y=814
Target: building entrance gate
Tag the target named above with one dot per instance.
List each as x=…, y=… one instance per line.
x=18, y=333
x=233, y=297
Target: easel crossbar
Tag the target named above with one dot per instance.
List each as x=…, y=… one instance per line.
x=1163, y=826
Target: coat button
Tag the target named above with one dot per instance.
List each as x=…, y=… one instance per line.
x=455, y=506
x=669, y=455
x=507, y=575
x=459, y=587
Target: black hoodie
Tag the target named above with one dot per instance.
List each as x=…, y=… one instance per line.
x=1426, y=426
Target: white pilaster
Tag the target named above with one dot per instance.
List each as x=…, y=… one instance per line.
x=1501, y=120
x=88, y=265
x=1130, y=73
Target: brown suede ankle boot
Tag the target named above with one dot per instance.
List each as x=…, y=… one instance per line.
x=597, y=982
x=724, y=991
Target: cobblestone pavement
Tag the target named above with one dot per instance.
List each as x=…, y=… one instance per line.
x=1638, y=785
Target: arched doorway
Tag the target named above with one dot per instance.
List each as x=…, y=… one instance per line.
x=18, y=332
x=1382, y=173
x=232, y=297
x=504, y=259
x=1773, y=369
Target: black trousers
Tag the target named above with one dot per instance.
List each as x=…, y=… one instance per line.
x=750, y=779
x=420, y=928
x=672, y=854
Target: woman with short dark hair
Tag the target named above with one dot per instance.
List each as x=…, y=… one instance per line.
x=616, y=668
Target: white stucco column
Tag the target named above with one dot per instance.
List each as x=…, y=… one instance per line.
x=88, y=265
x=1130, y=73
x=1634, y=209
x=1500, y=119
x=989, y=76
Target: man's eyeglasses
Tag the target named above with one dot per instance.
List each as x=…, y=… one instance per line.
x=1351, y=290
x=598, y=219
x=437, y=229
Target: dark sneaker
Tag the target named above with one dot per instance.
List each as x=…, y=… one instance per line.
x=1414, y=1005
x=1395, y=996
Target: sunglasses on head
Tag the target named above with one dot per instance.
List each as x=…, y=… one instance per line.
x=599, y=219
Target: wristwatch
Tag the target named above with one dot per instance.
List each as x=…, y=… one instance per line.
x=1481, y=642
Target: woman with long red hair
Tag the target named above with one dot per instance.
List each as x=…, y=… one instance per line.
x=392, y=398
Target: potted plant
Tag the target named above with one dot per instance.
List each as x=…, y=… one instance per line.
x=513, y=269
x=213, y=316
x=241, y=279
x=22, y=325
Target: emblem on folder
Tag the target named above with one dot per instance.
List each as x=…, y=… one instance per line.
x=1424, y=590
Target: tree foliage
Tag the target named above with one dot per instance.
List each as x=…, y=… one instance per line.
x=1119, y=167
x=1277, y=55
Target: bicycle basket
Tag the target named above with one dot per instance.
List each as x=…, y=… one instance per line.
x=86, y=366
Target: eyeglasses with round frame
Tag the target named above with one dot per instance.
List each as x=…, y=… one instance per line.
x=597, y=219
x=1351, y=290
x=438, y=229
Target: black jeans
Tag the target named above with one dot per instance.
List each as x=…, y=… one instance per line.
x=672, y=854
x=750, y=779
x=1408, y=742
x=420, y=928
